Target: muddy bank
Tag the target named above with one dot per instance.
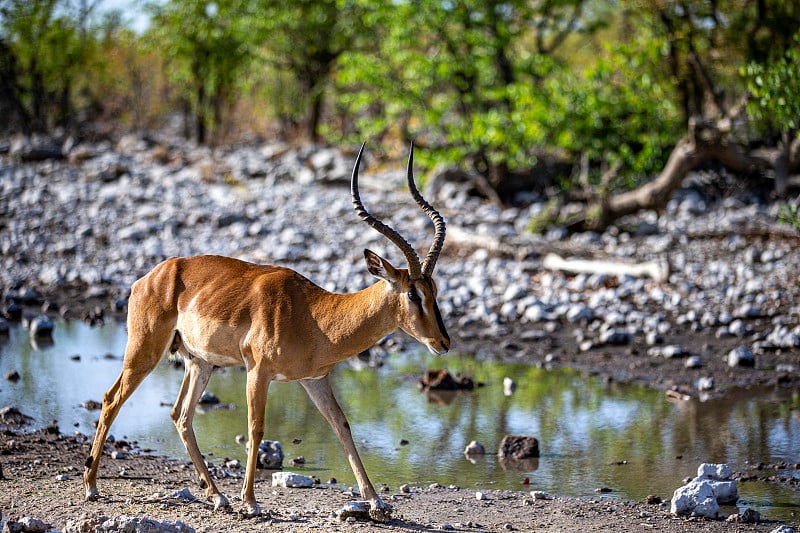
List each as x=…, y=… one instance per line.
x=42, y=479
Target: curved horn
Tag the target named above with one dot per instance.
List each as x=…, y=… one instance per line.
x=438, y=222
x=414, y=268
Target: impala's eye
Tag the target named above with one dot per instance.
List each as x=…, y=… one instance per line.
x=413, y=295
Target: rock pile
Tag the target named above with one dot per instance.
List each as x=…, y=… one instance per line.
x=703, y=495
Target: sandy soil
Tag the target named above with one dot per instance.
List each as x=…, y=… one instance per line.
x=41, y=478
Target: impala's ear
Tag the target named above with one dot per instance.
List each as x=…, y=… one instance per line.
x=380, y=267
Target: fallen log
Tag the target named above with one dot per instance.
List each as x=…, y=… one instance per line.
x=657, y=271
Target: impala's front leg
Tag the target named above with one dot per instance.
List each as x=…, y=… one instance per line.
x=322, y=395
x=257, y=388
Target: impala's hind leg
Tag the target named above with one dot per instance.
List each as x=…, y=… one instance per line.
x=195, y=379
x=142, y=354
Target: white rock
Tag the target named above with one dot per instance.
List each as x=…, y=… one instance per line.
x=291, y=479
x=579, y=313
x=693, y=361
x=670, y=351
x=696, y=498
x=783, y=529
x=741, y=356
x=509, y=386
x=474, y=448
x=717, y=471
x=141, y=523
x=536, y=313
x=705, y=384
x=183, y=494
x=355, y=510
x=33, y=525
x=702, y=496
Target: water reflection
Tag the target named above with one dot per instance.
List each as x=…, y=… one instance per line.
x=591, y=434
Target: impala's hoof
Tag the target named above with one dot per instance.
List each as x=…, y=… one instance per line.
x=380, y=512
x=362, y=510
x=251, y=510
x=221, y=503
x=92, y=494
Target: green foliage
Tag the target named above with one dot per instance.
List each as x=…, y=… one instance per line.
x=206, y=47
x=460, y=77
x=619, y=110
x=489, y=85
x=52, y=54
x=775, y=89
x=301, y=43
x=790, y=214
x=472, y=83
x=545, y=218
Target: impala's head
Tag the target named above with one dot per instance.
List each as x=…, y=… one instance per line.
x=413, y=287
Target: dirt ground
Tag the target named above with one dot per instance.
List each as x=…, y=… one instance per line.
x=42, y=479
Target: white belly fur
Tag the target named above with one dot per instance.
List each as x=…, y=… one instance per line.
x=211, y=357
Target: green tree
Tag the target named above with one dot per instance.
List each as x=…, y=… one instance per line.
x=775, y=90
x=463, y=78
x=619, y=113
x=302, y=42
x=775, y=106
x=48, y=47
x=206, y=46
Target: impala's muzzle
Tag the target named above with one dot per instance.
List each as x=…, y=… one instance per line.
x=442, y=345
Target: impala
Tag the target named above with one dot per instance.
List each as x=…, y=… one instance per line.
x=219, y=311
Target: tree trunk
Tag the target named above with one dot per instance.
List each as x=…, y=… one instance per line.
x=315, y=114
x=200, y=114
x=704, y=142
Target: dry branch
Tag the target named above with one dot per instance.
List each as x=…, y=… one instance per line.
x=705, y=141
x=657, y=271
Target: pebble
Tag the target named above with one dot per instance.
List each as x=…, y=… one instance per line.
x=616, y=337
x=474, y=449
x=672, y=351
x=693, y=361
x=705, y=384
x=291, y=480
x=741, y=356
x=41, y=326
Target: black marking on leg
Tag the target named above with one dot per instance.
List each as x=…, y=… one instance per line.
x=203, y=484
x=89, y=462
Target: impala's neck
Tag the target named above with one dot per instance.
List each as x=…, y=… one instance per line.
x=351, y=323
